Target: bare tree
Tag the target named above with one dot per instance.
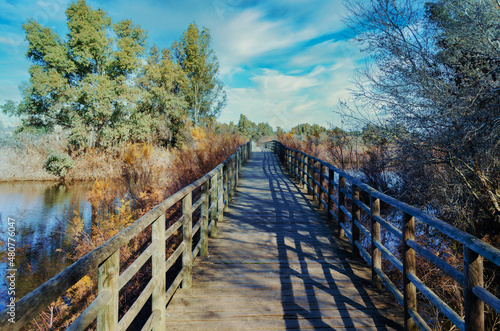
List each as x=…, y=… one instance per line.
x=432, y=70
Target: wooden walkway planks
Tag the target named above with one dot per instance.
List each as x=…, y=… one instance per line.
x=275, y=264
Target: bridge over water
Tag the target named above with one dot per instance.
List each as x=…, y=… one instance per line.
x=286, y=241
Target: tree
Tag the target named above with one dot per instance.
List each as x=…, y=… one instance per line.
x=306, y=129
x=377, y=135
x=162, y=109
x=203, y=91
x=246, y=127
x=435, y=78
x=82, y=83
x=264, y=129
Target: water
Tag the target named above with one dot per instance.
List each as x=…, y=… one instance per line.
x=41, y=212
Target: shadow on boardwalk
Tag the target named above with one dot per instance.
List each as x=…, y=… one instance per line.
x=277, y=265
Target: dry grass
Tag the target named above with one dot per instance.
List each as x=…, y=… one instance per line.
x=23, y=157
x=343, y=151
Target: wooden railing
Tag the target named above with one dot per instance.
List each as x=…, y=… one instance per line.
x=217, y=188
x=332, y=187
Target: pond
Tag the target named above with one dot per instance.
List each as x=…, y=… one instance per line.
x=39, y=212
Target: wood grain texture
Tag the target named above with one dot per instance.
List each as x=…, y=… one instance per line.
x=276, y=264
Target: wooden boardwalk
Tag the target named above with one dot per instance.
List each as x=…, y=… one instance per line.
x=275, y=264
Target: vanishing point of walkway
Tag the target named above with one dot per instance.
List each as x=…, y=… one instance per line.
x=276, y=264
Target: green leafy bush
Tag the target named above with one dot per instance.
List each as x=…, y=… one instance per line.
x=58, y=164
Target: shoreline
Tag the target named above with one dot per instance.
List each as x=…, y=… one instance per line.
x=53, y=179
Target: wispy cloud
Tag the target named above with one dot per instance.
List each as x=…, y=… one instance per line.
x=287, y=100
x=11, y=39
x=249, y=35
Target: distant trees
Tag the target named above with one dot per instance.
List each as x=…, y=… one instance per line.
x=264, y=129
x=253, y=131
x=435, y=79
x=100, y=85
x=305, y=129
x=379, y=135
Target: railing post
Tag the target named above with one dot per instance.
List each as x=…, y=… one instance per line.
x=158, y=264
x=375, y=234
x=213, y=204
x=204, y=218
x=473, y=306
x=314, y=186
x=187, y=237
x=220, y=196
x=355, y=210
x=294, y=163
x=300, y=169
x=237, y=170
x=108, y=275
x=313, y=178
x=341, y=215
x=310, y=177
x=229, y=180
x=287, y=158
x=330, y=193
x=226, y=188
x=232, y=178
x=321, y=194
x=304, y=166
x=284, y=158
x=409, y=267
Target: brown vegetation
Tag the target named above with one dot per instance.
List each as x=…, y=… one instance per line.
x=151, y=174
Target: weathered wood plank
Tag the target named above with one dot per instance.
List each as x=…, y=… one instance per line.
x=187, y=239
x=108, y=273
x=278, y=314
x=409, y=268
x=158, y=271
x=282, y=323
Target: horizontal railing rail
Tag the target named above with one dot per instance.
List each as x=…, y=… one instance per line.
x=332, y=187
x=217, y=189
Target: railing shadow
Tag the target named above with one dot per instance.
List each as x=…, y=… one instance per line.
x=304, y=244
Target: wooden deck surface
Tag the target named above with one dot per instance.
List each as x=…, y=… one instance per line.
x=276, y=264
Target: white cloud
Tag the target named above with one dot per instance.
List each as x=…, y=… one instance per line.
x=46, y=12
x=287, y=100
x=12, y=40
x=325, y=53
x=248, y=35
x=272, y=81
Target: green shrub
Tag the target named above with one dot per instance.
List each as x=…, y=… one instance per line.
x=58, y=164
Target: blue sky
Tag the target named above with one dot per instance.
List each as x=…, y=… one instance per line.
x=282, y=62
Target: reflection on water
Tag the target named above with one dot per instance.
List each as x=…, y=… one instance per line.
x=41, y=212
